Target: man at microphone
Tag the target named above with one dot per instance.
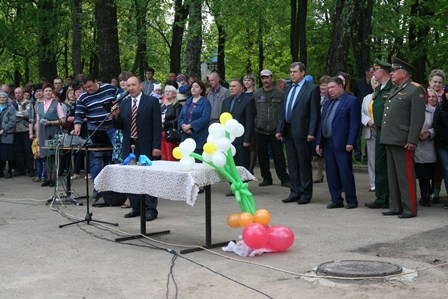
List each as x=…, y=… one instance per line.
x=90, y=106
x=138, y=117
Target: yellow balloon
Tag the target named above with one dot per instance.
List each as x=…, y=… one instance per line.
x=176, y=153
x=209, y=148
x=225, y=117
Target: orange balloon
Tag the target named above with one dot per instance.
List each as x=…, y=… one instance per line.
x=232, y=220
x=245, y=219
x=262, y=216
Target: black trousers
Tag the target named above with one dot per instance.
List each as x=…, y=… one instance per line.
x=23, y=154
x=263, y=142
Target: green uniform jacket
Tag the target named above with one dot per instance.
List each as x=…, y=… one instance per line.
x=379, y=98
x=404, y=114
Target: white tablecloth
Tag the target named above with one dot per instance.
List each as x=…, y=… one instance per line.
x=162, y=179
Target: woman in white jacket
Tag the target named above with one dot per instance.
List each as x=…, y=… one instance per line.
x=368, y=132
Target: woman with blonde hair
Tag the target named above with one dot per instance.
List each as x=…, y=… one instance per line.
x=170, y=110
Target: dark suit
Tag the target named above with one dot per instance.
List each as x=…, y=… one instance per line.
x=243, y=110
x=338, y=162
x=149, y=130
x=304, y=121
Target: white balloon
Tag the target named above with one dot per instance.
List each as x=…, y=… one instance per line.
x=219, y=159
x=239, y=131
x=217, y=130
x=206, y=157
x=212, y=139
x=191, y=143
x=187, y=163
x=187, y=147
x=232, y=126
x=223, y=144
x=233, y=150
x=232, y=138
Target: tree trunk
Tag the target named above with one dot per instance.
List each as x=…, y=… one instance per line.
x=260, y=49
x=340, y=39
x=294, y=34
x=221, y=51
x=418, y=38
x=47, y=43
x=77, y=37
x=303, y=9
x=141, y=61
x=108, y=50
x=361, y=43
x=248, y=45
x=180, y=17
x=194, y=41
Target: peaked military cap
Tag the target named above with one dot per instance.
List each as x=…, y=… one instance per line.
x=398, y=64
x=381, y=64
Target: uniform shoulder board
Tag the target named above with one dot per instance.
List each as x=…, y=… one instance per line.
x=415, y=84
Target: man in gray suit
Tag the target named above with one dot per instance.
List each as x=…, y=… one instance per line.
x=297, y=126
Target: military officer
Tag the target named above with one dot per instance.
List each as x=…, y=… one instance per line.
x=380, y=95
x=404, y=114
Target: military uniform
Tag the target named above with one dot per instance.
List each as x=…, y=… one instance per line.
x=403, y=117
x=381, y=184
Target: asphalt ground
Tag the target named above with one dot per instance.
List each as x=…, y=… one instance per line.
x=41, y=260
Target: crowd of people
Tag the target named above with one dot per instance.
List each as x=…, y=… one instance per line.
x=404, y=124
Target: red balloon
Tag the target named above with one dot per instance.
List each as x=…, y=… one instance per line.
x=255, y=235
x=280, y=238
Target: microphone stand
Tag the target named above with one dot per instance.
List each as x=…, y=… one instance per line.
x=88, y=216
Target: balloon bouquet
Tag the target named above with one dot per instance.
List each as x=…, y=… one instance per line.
x=218, y=153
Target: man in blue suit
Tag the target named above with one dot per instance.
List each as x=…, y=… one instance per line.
x=144, y=131
x=339, y=128
x=297, y=125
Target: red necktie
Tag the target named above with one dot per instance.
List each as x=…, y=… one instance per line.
x=134, y=119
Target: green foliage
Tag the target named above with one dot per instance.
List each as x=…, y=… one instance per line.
x=21, y=24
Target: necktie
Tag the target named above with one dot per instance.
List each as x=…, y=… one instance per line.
x=134, y=119
x=232, y=104
x=289, y=102
x=325, y=120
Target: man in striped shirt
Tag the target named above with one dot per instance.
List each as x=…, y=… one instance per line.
x=90, y=107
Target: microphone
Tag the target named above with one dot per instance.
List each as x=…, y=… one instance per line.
x=118, y=98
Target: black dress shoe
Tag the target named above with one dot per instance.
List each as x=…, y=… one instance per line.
x=286, y=184
x=335, y=205
x=405, y=216
x=51, y=184
x=150, y=217
x=317, y=181
x=303, y=202
x=290, y=199
x=390, y=213
x=8, y=175
x=373, y=205
x=265, y=183
x=229, y=194
x=46, y=183
x=132, y=214
x=18, y=173
x=435, y=199
x=424, y=203
x=351, y=206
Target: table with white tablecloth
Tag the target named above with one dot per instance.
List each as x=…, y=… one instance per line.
x=165, y=179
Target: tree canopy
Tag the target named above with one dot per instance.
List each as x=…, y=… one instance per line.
x=49, y=38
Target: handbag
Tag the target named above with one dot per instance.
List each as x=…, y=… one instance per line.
x=173, y=135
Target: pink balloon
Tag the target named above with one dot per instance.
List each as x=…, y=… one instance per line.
x=280, y=238
x=255, y=235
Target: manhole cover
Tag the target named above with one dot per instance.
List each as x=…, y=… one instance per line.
x=358, y=268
